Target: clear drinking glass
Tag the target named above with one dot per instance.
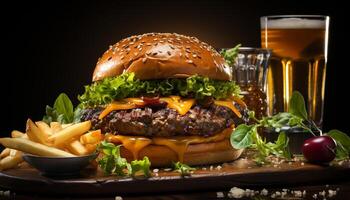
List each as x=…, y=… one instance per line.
x=249, y=72
x=299, y=46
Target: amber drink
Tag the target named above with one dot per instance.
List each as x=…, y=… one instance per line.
x=298, y=62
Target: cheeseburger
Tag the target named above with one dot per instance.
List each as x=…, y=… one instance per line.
x=165, y=96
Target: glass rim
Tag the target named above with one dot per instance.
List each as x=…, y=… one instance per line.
x=254, y=49
x=250, y=49
x=325, y=17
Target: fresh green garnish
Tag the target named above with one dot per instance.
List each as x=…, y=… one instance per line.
x=247, y=136
x=142, y=166
x=343, y=143
x=126, y=85
x=183, y=169
x=113, y=164
x=230, y=54
x=62, y=111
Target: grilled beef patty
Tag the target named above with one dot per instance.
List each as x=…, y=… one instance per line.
x=165, y=122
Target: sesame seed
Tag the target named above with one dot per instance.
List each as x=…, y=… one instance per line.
x=189, y=61
x=180, y=54
x=169, y=53
x=188, y=51
x=110, y=58
x=186, y=55
x=140, y=49
x=160, y=51
x=144, y=60
x=154, y=53
x=155, y=39
x=148, y=44
x=122, y=57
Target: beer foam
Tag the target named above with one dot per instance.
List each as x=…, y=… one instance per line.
x=293, y=23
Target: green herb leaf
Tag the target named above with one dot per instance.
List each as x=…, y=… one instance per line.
x=230, y=54
x=280, y=120
x=141, y=166
x=126, y=85
x=343, y=143
x=62, y=111
x=183, y=169
x=64, y=106
x=280, y=147
x=242, y=136
x=112, y=163
x=297, y=105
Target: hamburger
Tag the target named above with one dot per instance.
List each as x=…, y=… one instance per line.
x=165, y=96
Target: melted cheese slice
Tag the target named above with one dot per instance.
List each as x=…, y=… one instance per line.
x=230, y=105
x=132, y=143
x=178, y=144
x=182, y=106
x=116, y=106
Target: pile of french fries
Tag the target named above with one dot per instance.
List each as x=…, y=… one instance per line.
x=54, y=140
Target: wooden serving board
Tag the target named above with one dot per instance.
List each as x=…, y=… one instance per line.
x=242, y=172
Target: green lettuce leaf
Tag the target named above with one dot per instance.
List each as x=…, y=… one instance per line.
x=126, y=85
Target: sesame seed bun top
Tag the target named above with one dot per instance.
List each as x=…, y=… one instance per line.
x=161, y=56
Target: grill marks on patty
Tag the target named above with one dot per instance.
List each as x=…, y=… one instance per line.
x=164, y=122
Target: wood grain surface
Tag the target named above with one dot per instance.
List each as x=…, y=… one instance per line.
x=242, y=172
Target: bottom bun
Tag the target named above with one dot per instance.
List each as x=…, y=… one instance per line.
x=196, y=154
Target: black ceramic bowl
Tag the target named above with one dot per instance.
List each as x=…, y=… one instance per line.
x=59, y=166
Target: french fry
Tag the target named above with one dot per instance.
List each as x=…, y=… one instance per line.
x=11, y=161
x=66, y=125
x=5, y=153
x=66, y=135
x=17, y=134
x=44, y=128
x=55, y=127
x=35, y=134
x=13, y=152
x=91, y=147
x=92, y=137
x=77, y=148
x=31, y=147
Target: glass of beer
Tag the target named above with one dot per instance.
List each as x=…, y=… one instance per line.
x=298, y=62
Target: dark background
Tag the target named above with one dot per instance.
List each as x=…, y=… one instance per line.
x=52, y=47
